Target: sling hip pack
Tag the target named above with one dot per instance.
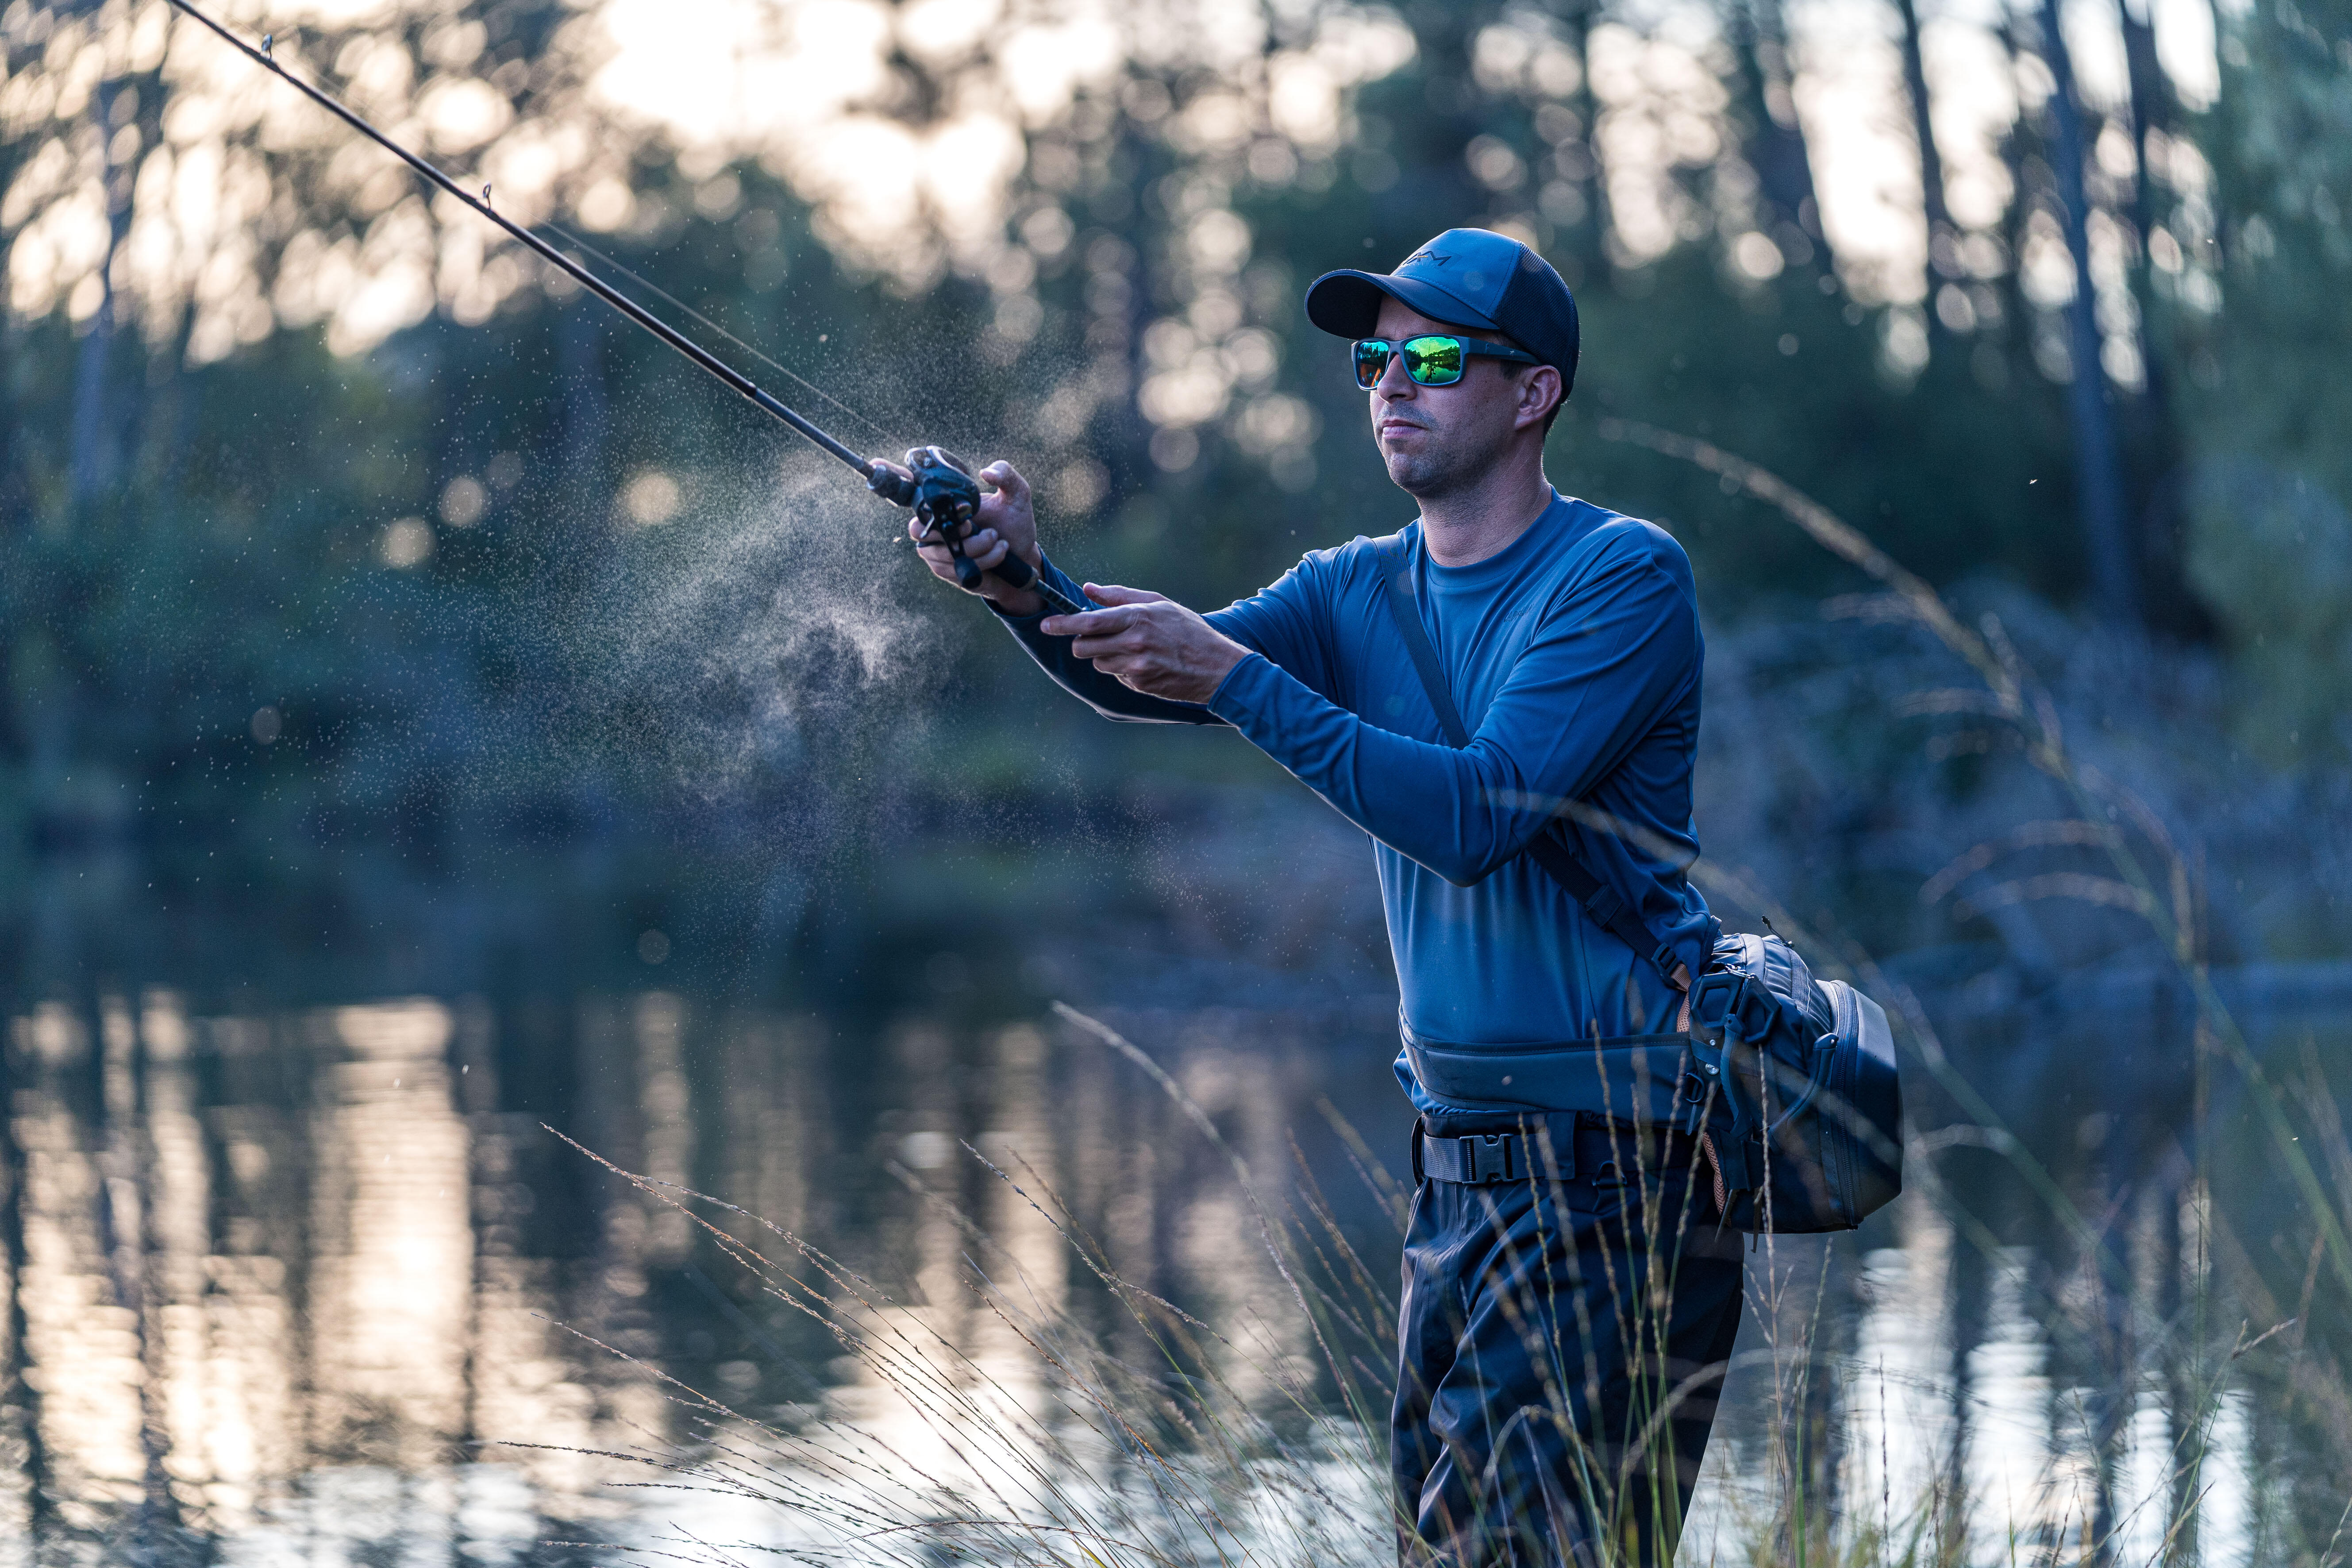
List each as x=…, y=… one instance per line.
x=1787, y=1083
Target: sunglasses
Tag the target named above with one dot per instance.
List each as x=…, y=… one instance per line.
x=1431, y=361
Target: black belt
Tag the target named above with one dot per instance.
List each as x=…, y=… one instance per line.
x=1607, y=1156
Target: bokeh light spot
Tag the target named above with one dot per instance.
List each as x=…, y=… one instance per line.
x=651, y=498
x=407, y=541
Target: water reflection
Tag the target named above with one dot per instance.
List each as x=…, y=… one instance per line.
x=2008, y=1459
x=78, y=1290
x=1898, y=1383
x=321, y=1286
x=391, y=1240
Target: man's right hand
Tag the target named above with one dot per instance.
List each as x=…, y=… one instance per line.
x=1007, y=521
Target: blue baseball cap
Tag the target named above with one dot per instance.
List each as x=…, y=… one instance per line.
x=1464, y=277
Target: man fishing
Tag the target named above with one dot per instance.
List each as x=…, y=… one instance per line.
x=1568, y=1306
x=1569, y=1299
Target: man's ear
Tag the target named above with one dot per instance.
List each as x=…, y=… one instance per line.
x=1538, y=396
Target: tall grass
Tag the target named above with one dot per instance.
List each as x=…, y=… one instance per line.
x=1104, y=1423
x=2200, y=1343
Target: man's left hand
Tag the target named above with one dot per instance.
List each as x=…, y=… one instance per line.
x=1150, y=643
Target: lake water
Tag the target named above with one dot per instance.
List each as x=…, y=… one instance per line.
x=329, y=1285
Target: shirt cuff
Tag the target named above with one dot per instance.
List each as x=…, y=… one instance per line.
x=1018, y=623
x=1245, y=689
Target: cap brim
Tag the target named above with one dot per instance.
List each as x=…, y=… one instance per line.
x=1347, y=303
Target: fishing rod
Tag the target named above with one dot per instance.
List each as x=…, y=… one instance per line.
x=939, y=486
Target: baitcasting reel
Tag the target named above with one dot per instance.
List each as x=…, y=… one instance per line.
x=945, y=495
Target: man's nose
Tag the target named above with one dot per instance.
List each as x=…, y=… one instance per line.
x=1394, y=386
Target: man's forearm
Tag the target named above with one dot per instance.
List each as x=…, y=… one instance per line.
x=1106, y=695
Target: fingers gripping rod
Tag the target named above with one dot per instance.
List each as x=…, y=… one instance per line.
x=939, y=486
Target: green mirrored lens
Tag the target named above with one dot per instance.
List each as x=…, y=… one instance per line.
x=1371, y=359
x=1434, y=362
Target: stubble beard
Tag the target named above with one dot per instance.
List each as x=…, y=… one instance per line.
x=1416, y=473
x=1443, y=465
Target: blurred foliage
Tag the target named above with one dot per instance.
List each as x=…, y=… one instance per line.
x=480, y=634
x=2271, y=545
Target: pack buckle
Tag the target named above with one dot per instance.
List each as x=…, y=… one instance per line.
x=1486, y=1157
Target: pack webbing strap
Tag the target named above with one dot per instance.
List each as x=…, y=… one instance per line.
x=1608, y=910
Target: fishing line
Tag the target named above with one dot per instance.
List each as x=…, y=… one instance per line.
x=735, y=379
x=938, y=485
x=752, y=349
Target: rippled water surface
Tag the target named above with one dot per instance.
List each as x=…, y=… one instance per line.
x=332, y=1285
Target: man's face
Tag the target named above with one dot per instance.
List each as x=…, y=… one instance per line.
x=1436, y=439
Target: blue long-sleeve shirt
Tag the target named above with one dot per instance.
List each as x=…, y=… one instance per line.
x=1574, y=655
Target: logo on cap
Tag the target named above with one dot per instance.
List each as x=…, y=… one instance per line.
x=1425, y=253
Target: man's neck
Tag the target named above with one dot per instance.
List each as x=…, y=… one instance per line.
x=1463, y=527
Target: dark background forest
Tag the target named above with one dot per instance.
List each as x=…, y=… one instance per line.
x=379, y=611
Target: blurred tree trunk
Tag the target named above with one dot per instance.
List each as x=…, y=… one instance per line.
x=2098, y=466
x=15, y=457
x=1435, y=139
x=2151, y=105
x=95, y=428
x=1128, y=460
x=2171, y=604
x=135, y=397
x=1937, y=214
x=1774, y=139
x=2016, y=333
x=1583, y=170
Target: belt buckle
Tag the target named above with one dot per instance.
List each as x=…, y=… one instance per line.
x=1486, y=1157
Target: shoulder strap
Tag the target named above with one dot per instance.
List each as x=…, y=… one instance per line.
x=1608, y=910
x=1396, y=574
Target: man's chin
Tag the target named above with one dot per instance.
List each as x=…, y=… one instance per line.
x=1412, y=472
